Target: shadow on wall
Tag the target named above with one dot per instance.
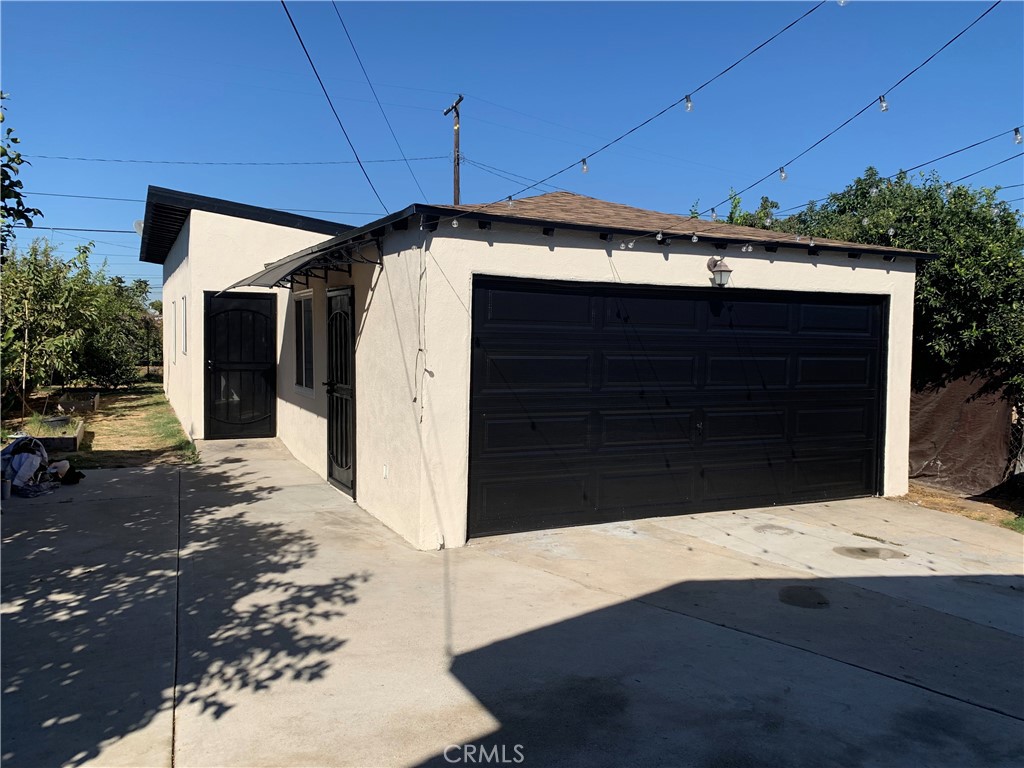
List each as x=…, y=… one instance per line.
x=760, y=673
x=90, y=594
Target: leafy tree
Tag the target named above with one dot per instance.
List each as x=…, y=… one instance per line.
x=117, y=341
x=46, y=310
x=969, y=309
x=13, y=204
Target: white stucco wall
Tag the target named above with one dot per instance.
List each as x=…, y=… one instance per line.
x=413, y=339
x=452, y=262
x=211, y=252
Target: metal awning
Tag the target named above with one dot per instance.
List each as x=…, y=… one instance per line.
x=337, y=254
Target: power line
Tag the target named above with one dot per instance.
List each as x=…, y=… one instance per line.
x=914, y=168
x=141, y=200
x=240, y=163
x=987, y=167
x=686, y=99
x=515, y=178
x=79, y=229
x=423, y=195
x=781, y=169
x=331, y=104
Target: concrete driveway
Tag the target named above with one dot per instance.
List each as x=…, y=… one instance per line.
x=242, y=613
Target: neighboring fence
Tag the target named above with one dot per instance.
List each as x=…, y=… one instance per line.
x=962, y=441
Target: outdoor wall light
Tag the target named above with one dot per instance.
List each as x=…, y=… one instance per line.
x=719, y=270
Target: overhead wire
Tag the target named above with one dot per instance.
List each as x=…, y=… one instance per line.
x=684, y=99
x=236, y=163
x=351, y=42
x=987, y=167
x=780, y=168
x=142, y=200
x=676, y=103
x=331, y=104
x=912, y=168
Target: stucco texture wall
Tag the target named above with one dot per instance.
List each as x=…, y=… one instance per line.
x=211, y=252
x=450, y=264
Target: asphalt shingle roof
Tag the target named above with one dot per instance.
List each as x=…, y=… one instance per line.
x=582, y=211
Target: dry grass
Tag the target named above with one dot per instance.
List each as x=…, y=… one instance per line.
x=994, y=511
x=133, y=428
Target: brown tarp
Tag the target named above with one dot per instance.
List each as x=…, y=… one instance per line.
x=959, y=441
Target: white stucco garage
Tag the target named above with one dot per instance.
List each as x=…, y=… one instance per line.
x=556, y=360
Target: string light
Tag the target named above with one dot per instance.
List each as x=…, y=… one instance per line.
x=714, y=215
x=510, y=201
x=586, y=169
x=695, y=238
x=867, y=106
x=1017, y=138
x=455, y=223
x=782, y=174
x=874, y=191
x=883, y=105
x=689, y=103
x=891, y=232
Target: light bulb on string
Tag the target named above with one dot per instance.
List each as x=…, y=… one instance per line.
x=695, y=238
x=586, y=169
x=874, y=191
x=455, y=223
x=1017, y=138
x=510, y=201
x=891, y=232
x=782, y=174
x=714, y=215
x=883, y=105
x=689, y=103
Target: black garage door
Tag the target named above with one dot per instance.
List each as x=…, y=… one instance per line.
x=593, y=403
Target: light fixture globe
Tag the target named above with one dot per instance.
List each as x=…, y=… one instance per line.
x=720, y=271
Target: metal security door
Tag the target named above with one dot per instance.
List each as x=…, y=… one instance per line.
x=341, y=424
x=241, y=395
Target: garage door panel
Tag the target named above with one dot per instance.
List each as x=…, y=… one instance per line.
x=659, y=369
x=852, y=371
x=538, y=372
x=660, y=492
x=657, y=401
x=836, y=422
x=753, y=317
x=650, y=429
x=536, y=309
x=742, y=426
x=726, y=481
x=512, y=503
x=833, y=474
x=835, y=320
x=747, y=371
x=644, y=313
x=511, y=435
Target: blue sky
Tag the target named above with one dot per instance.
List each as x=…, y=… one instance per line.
x=545, y=84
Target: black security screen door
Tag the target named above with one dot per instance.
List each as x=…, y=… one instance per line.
x=241, y=366
x=593, y=403
x=341, y=390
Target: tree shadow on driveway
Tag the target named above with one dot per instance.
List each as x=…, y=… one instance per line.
x=92, y=611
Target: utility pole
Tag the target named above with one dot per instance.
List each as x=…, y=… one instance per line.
x=454, y=108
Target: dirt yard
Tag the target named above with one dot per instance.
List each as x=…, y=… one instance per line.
x=133, y=427
x=1002, y=512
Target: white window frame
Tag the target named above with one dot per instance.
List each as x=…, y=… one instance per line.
x=184, y=325
x=174, y=333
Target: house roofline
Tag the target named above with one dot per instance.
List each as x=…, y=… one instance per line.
x=705, y=235
x=167, y=210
